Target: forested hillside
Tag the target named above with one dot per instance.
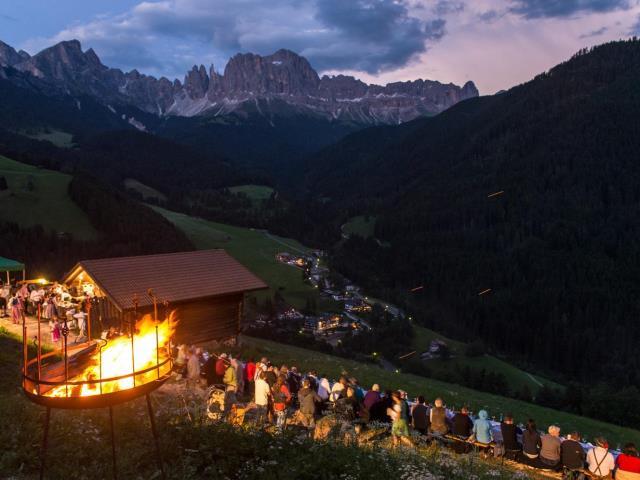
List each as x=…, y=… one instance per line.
x=558, y=248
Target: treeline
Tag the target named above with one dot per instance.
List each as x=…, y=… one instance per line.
x=556, y=252
x=125, y=227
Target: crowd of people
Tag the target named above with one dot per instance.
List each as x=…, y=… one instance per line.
x=283, y=395
x=52, y=302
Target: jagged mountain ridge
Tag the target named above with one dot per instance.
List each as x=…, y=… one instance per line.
x=249, y=83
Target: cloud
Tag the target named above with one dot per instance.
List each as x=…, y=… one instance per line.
x=565, y=8
x=364, y=35
x=594, y=33
x=635, y=28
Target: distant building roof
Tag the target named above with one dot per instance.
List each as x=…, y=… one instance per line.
x=175, y=277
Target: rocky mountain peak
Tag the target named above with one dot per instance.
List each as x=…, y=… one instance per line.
x=248, y=79
x=196, y=82
x=8, y=56
x=283, y=72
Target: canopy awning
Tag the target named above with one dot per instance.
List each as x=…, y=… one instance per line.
x=8, y=265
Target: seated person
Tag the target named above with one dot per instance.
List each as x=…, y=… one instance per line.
x=628, y=463
x=420, y=416
x=550, y=448
x=530, y=443
x=572, y=453
x=510, y=434
x=482, y=428
x=600, y=461
x=438, y=419
x=462, y=427
x=461, y=424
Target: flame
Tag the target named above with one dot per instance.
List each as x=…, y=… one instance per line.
x=117, y=361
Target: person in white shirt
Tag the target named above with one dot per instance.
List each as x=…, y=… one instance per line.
x=338, y=389
x=600, y=460
x=261, y=397
x=324, y=388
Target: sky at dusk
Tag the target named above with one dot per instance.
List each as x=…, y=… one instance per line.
x=495, y=43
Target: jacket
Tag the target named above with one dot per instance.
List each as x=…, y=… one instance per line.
x=462, y=425
x=550, y=449
x=308, y=399
x=420, y=416
x=230, y=379
x=482, y=428
x=572, y=455
x=438, y=417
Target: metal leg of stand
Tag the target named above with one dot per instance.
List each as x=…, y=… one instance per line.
x=155, y=436
x=45, y=438
x=113, y=445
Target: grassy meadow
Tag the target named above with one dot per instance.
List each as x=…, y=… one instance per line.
x=515, y=377
x=39, y=197
x=256, y=250
x=256, y=193
x=361, y=225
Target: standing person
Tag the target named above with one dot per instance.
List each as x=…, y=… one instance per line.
x=438, y=419
x=55, y=330
x=313, y=380
x=51, y=310
x=628, y=463
x=230, y=380
x=420, y=416
x=481, y=431
x=308, y=399
x=281, y=399
x=221, y=367
x=180, y=364
x=271, y=375
x=193, y=367
x=293, y=381
x=550, y=448
x=572, y=453
x=262, y=394
x=239, y=376
x=600, y=460
x=510, y=434
x=249, y=375
x=260, y=366
x=531, y=442
x=210, y=370
x=399, y=427
x=16, y=309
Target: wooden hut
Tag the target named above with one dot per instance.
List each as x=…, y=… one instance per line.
x=206, y=287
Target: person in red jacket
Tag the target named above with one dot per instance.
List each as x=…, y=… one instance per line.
x=249, y=374
x=628, y=462
x=221, y=366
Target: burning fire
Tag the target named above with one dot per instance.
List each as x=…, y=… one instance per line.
x=117, y=361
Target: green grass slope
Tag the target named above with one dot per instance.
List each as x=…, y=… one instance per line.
x=39, y=197
x=453, y=395
x=516, y=377
x=360, y=225
x=254, y=192
x=256, y=250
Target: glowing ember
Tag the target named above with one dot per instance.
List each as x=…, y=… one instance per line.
x=117, y=361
